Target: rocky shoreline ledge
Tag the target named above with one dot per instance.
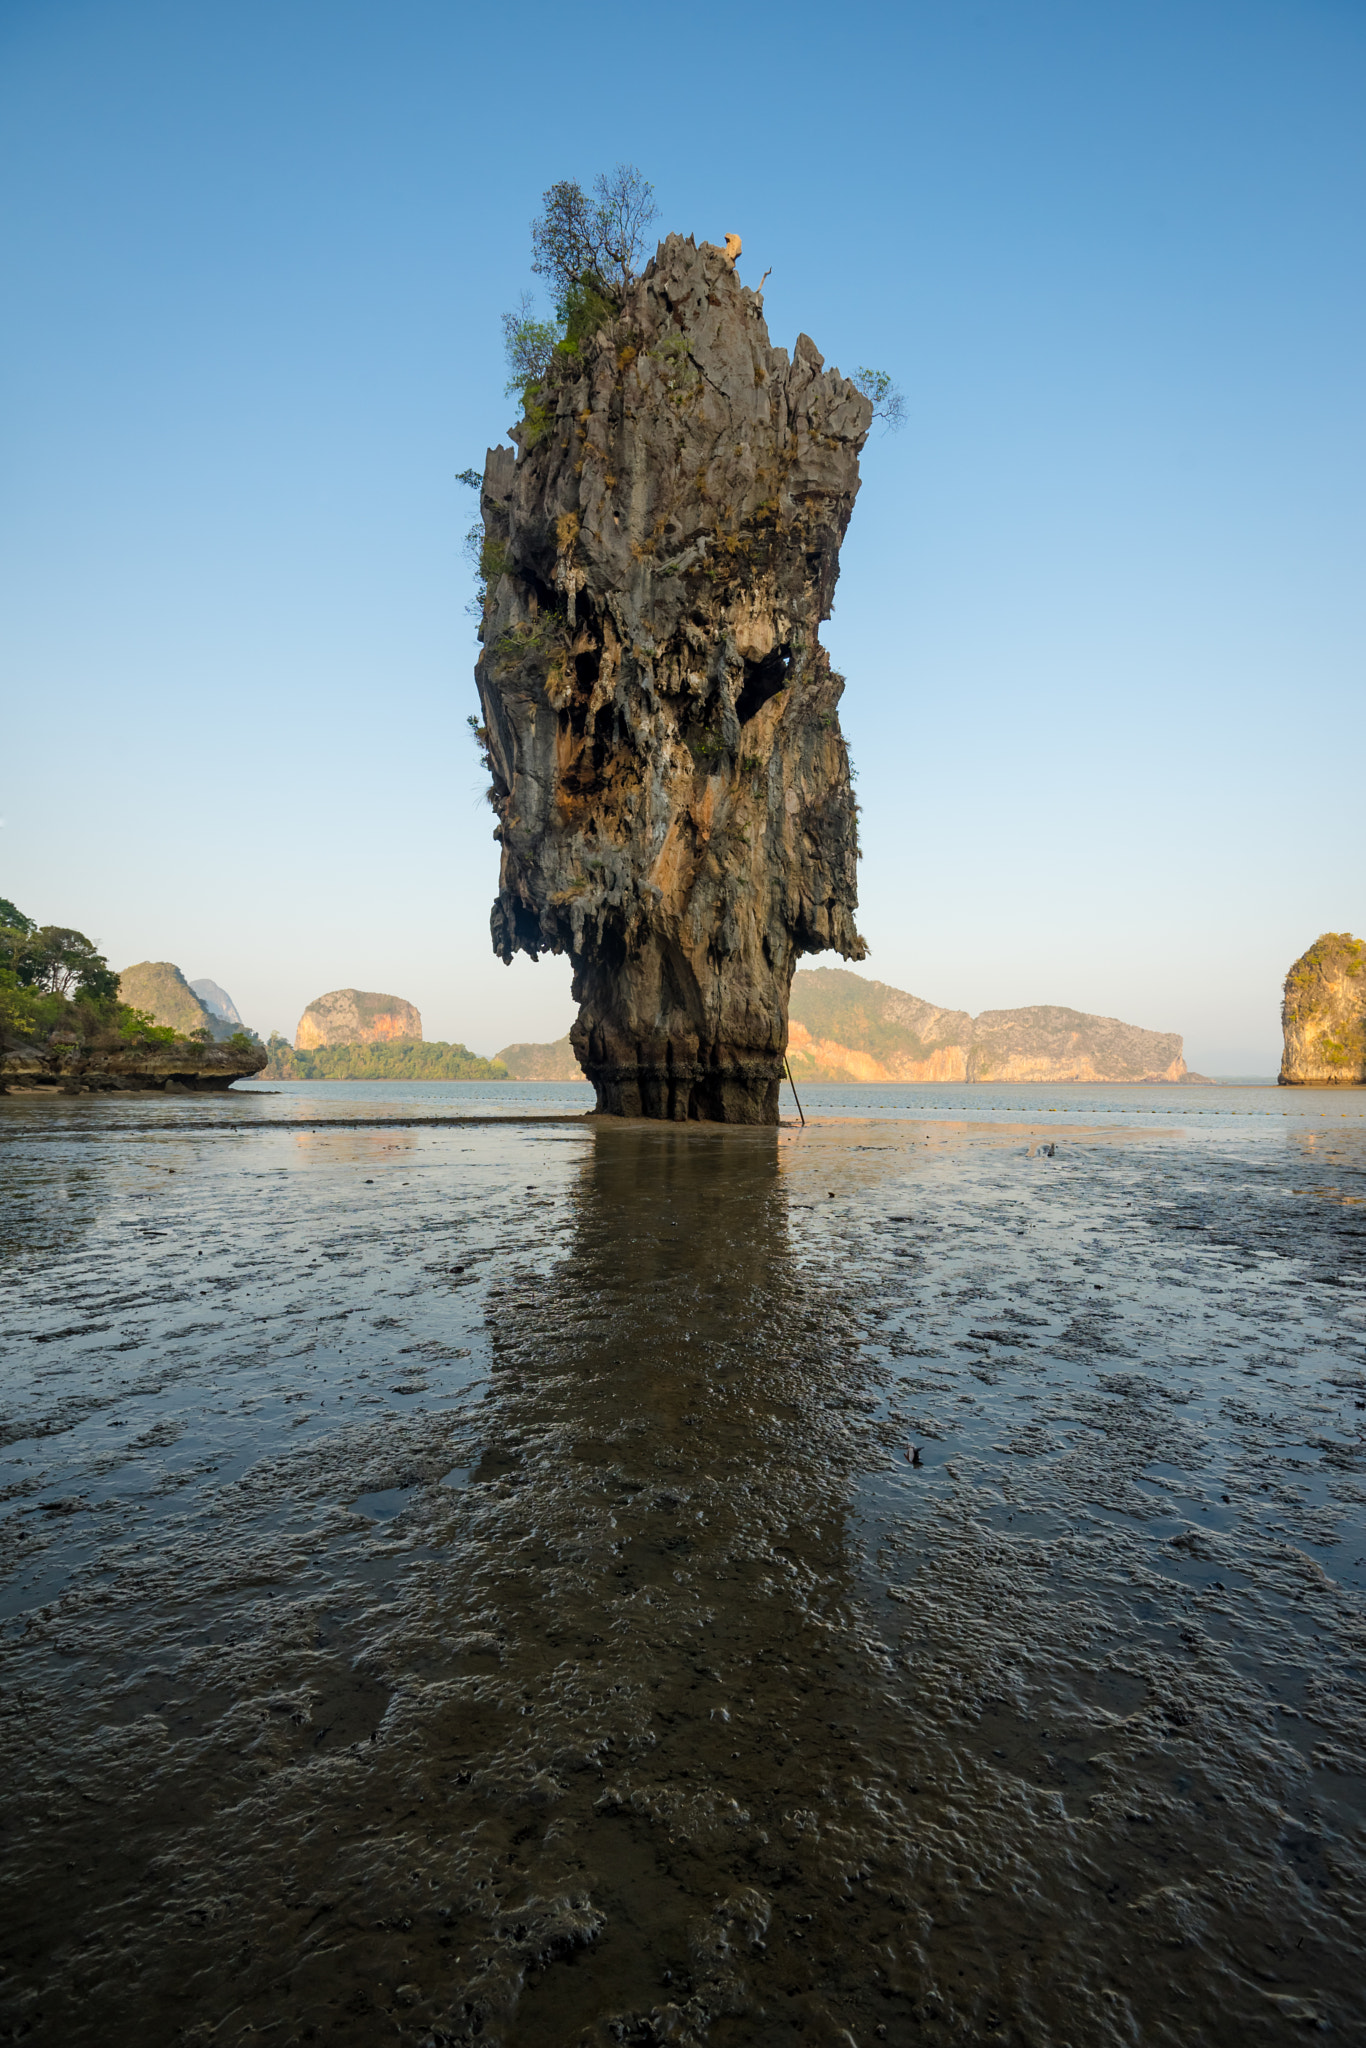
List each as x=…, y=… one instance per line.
x=73, y=1069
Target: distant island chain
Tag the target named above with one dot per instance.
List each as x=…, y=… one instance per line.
x=843, y=1028
x=68, y=1022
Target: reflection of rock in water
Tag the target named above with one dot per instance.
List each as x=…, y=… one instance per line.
x=751, y=1802
x=672, y=1597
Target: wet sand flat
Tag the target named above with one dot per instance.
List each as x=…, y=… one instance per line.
x=552, y=1582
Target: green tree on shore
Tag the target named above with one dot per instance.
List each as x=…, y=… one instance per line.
x=53, y=978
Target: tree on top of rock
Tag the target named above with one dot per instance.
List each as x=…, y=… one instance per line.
x=590, y=253
x=600, y=242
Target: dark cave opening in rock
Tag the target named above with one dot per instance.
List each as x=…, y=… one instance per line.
x=763, y=679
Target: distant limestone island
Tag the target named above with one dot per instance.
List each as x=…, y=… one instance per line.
x=844, y=1027
x=556, y=1061
x=356, y=1034
x=357, y=1016
x=1323, y=1015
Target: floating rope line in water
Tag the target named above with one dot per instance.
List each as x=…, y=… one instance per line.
x=793, y=1086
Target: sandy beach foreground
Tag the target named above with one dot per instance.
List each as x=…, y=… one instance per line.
x=574, y=1583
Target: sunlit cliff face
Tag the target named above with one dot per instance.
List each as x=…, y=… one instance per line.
x=350, y=1016
x=661, y=721
x=1324, y=1015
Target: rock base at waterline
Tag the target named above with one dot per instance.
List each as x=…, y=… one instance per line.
x=174, y=1069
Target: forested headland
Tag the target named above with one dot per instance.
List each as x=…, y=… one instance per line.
x=391, y=1059
x=56, y=985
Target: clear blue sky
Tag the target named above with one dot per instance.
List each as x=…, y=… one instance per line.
x=1102, y=602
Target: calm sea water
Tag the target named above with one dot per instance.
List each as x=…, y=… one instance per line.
x=1215, y=1107
x=474, y=1579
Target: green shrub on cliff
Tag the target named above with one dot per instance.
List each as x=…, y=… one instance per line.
x=140, y=1027
x=1308, y=986
x=528, y=344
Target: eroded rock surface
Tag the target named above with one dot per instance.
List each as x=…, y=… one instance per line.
x=1324, y=1015
x=661, y=721
x=64, y=1066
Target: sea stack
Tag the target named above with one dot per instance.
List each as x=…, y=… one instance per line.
x=1324, y=1015
x=660, y=719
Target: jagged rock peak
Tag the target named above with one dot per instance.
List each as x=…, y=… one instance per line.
x=660, y=719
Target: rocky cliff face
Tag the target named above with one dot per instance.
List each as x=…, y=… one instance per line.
x=1048, y=1042
x=661, y=721
x=1324, y=1015
x=218, y=1003
x=845, y=1027
x=355, y=1016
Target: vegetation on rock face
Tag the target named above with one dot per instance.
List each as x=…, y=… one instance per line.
x=393, y=1059
x=528, y=344
x=1334, y=956
x=1324, y=1014
x=556, y=1061
x=159, y=989
x=589, y=251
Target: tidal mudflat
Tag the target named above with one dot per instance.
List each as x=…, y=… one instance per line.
x=548, y=1583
